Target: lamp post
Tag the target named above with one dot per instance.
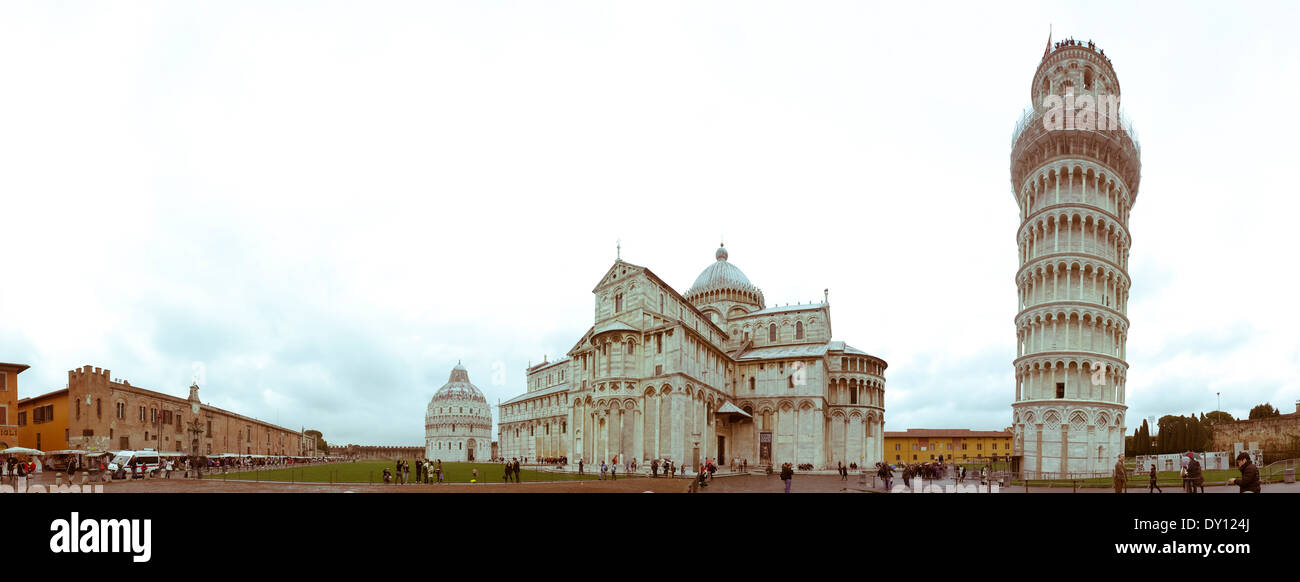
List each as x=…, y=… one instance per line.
x=195, y=430
x=1220, y=397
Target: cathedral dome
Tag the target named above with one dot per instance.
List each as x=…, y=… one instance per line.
x=723, y=280
x=458, y=387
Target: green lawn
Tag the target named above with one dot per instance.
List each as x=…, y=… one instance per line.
x=373, y=472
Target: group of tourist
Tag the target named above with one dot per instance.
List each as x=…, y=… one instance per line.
x=1072, y=42
x=512, y=471
x=426, y=471
x=1192, y=477
x=14, y=468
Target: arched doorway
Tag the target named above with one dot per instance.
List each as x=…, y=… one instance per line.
x=469, y=450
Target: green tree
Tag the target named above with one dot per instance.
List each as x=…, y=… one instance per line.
x=1170, y=427
x=1143, y=444
x=1264, y=410
x=1219, y=417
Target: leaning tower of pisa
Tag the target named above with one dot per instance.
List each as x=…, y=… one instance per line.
x=1075, y=168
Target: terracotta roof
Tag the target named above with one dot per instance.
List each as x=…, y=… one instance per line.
x=948, y=433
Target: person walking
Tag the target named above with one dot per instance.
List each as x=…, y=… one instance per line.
x=1249, y=481
x=654, y=468
x=1195, y=480
x=603, y=470
x=1121, y=475
x=1153, y=487
x=613, y=471
x=579, y=467
x=787, y=474
x=1183, y=463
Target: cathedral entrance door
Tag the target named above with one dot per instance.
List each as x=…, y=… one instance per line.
x=722, y=450
x=765, y=448
x=469, y=450
x=696, y=462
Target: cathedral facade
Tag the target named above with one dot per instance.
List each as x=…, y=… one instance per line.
x=711, y=373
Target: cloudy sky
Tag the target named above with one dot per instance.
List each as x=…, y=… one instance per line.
x=318, y=208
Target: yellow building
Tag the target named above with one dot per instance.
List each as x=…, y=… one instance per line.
x=920, y=445
x=9, y=404
x=43, y=421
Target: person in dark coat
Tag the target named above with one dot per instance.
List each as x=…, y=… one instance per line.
x=787, y=474
x=1195, y=480
x=1154, y=486
x=1249, y=480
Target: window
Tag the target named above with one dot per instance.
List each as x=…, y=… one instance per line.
x=4, y=381
x=618, y=303
x=798, y=330
x=141, y=414
x=153, y=415
x=99, y=408
x=995, y=446
x=659, y=369
x=979, y=446
x=963, y=446
x=659, y=343
x=1060, y=389
x=631, y=348
x=853, y=396
x=78, y=409
x=897, y=446
x=661, y=304
x=564, y=427
x=790, y=380
x=771, y=332
x=844, y=363
x=751, y=382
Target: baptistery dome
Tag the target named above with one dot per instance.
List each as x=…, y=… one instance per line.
x=458, y=421
x=723, y=281
x=458, y=387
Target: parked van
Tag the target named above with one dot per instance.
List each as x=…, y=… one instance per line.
x=135, y=464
